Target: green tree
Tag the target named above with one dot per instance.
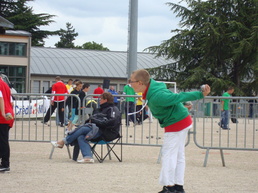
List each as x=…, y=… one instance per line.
x=92, y=46
x=23, y=18
x=217, y=44
x=66, y=37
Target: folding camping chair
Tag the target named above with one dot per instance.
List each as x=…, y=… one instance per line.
x=101, y=156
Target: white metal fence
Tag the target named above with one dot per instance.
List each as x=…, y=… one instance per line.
x=31, y=108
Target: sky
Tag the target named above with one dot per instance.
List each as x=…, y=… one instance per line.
x=106, y=21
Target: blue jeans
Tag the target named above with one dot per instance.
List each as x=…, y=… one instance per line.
x=224, y=119
x=84, y=145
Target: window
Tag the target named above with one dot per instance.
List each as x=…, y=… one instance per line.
x=13, y=49
x=17, y=76
x=46, y=86
x=122, y=87
x=36, y=86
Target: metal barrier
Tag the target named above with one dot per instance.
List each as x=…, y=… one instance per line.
x=31, y=108
x=243, y=134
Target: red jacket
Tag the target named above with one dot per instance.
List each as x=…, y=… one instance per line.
x=59, y=88
x=5, y=89
x=98, y=90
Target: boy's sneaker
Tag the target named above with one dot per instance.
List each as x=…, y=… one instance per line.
x=4, y=169
x=168, y=190
x=179, y=189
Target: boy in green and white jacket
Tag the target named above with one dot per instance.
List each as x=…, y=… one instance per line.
x=167, y=107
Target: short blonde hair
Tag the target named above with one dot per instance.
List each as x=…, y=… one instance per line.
x=142, y=75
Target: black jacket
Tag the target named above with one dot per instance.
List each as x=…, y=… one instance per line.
x=108, y=119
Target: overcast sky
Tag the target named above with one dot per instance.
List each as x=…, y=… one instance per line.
x=106, y=21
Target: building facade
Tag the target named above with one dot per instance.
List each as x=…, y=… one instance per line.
x=15, y=49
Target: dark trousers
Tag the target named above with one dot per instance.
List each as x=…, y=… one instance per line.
x=141, y=116
x=4, y=145
x=52, y=108
x=76, y=150
x=129, y=108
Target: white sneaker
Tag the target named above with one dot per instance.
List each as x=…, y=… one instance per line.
x=56, y=145
x=86, y=161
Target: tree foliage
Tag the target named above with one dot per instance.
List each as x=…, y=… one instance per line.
x=23, y=18
x=66, y=37
x=217, y=45
x=92, y=46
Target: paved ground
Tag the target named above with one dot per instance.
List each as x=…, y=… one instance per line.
x=33, y=172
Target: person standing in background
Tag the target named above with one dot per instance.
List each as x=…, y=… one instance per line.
x=225, y=109
x=69, y=85
x=129, y=103
x=74, y=102
x=142, y=115
x=252, y=107
x=98, y=90
x=82, y=93
x=6, y=122
x=113, y=92
x=68, y=108
x=57, y=101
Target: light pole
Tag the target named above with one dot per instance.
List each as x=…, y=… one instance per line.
x=132, y=37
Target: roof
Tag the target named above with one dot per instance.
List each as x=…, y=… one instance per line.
x=87, y=63
x=17, y=33
x=5, y=23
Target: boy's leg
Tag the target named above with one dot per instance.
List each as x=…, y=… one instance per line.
x=169, y=158
x=180, y=168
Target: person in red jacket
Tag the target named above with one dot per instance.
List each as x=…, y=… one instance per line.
x=98, y=90
x=6, y=122
x=57, y=101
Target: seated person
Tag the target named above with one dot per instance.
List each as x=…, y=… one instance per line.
x=103, y=124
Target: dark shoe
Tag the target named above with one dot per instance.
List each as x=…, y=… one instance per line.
x=168, y=190
x=219, y=123
x=61, y=125
x=45, y=123
x=179, y=189
x=4, y=169
x=226, y=128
